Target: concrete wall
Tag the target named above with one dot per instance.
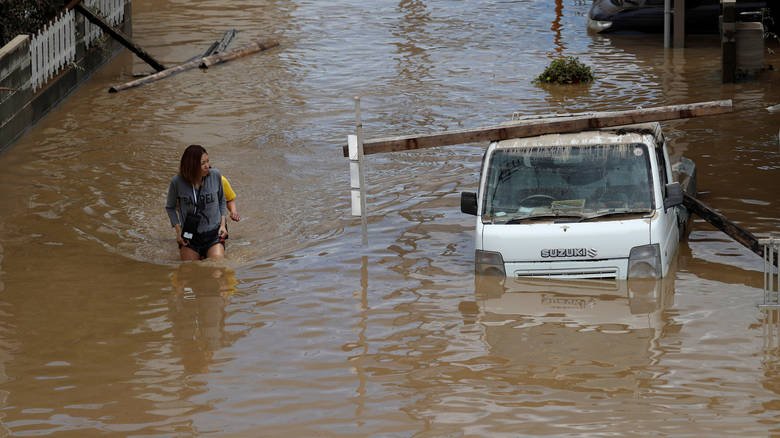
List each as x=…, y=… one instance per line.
x=21, y=108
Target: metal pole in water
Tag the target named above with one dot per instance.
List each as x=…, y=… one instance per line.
x=766, y=271
x=667, y=24
x=679, y=24
x=728, y=42
x=771, y=275
x=357, y=177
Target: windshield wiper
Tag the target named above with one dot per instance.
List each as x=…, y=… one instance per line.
x=543, y=216
x=614, y=213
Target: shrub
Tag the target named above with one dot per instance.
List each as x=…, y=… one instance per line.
x=565, y=71
x=25, y=16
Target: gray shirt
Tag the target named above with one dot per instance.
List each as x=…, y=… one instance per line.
x=210, y=203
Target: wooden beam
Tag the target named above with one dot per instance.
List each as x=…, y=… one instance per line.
x=186, y=66
x=72, y=4
x=119, y=36
x=529, y=128
x=223, y=42
x=156, y=76
x=741, y=235
x=219, y=45
x=219, y=58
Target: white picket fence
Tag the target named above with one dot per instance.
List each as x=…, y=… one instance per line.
x=54, y=46
x=113, y=11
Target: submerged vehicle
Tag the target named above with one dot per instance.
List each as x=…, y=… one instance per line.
x=647, y=16
x=593, y=204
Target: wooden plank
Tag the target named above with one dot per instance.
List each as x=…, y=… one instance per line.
x=224, y=42
x=219, y=45
x=220, y=58
x=156, y=76
x=119, y=36
x=741, y=235
x=529, y=128
x=186, y=66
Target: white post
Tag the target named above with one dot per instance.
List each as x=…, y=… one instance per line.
x=46, y=53
x=33, y=61
x=357, y=180
x=71, y=35
x=57, y=44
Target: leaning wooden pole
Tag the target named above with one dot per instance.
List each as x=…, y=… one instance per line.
x=156, y=76
x=119, y=36
x=219, y=58
x=243, y=51
x=741, y=235
x=533, y=127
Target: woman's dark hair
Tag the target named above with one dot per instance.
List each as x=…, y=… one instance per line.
x=189, y=169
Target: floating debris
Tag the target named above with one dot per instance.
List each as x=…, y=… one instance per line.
x=565, y=71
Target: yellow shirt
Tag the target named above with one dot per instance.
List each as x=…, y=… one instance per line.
x=229, y=193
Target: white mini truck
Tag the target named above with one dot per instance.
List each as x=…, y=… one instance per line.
x=593, y=204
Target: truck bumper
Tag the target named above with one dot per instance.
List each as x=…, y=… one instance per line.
x=609, y=268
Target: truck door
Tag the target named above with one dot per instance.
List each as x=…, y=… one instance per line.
x=669, y=237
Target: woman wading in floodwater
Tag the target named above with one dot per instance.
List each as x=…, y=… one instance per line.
x=196, y=207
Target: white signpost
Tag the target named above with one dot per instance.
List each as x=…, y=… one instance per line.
x=357, y=180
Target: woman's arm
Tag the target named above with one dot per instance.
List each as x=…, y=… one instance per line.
x=172, y=210
x=170, y=203
x=222, y=228
x=222, y=205
x=233, y=210
x=180, y=239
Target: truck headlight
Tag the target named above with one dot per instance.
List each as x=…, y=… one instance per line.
x=645, y=262
x=489, y=263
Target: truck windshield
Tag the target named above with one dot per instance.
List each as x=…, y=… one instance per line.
x=581, y=182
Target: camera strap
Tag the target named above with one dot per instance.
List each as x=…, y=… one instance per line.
x=196, y=196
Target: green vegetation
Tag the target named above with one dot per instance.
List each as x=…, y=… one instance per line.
x=565, y=71
x=25, y=16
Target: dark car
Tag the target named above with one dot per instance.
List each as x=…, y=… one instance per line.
x=701, y=16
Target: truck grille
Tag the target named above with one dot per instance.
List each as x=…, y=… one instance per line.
x=588, y=273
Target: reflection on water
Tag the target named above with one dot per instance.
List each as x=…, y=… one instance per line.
x=301, y=330
x=197, y=312
x=557, y=27
x=601, y=335
x=770, y=359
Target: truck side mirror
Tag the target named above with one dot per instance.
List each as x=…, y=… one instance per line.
x=468, y=203
x=674, y=195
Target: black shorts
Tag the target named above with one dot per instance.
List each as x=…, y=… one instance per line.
x=202, y=242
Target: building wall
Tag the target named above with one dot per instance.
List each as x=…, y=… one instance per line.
x=20, y=107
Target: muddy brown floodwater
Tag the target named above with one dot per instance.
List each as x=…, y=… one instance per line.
x=302, y=331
